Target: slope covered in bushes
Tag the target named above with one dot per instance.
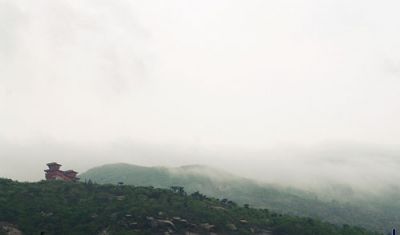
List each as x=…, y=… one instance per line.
x=86, y=208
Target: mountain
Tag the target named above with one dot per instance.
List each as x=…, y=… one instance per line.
x=377, y=216
x=57, y=207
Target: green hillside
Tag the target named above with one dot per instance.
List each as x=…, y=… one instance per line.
x=56, y=207
x=215, y=183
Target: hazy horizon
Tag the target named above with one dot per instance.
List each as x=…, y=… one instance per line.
x=291, y=92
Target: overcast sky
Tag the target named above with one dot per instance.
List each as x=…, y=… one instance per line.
x=193, y=77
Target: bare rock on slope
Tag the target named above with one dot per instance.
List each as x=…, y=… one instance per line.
x=9, y=229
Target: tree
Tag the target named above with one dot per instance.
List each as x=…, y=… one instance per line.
x=178, y=189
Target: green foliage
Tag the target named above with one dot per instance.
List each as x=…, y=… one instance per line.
x=372, y=214
x=56, y=207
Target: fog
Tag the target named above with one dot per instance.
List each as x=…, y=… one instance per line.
x=297, y=92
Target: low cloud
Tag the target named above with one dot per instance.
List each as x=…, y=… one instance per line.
x=254, y=88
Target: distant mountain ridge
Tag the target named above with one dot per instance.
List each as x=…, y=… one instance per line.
x=216, y=183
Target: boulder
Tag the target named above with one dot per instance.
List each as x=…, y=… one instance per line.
x=207, y=226
x=232, y=227
x=9, y=229
x=243, y=221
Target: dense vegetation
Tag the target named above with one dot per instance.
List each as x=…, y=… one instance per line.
x=372, y=214
x=55, y=207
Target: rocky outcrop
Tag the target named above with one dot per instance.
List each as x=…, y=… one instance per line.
x=9, y=229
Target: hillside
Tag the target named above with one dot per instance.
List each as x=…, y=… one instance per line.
x=219, y=184
x=56, y=207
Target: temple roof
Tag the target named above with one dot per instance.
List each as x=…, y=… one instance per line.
x=53, y=163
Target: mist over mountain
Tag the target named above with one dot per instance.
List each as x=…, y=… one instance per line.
x=364, y=169
x=340, y=204
x=298, y=94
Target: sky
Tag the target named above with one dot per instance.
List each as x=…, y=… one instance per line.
x=249, y=86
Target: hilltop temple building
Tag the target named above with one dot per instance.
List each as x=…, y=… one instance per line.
x=54, y=173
